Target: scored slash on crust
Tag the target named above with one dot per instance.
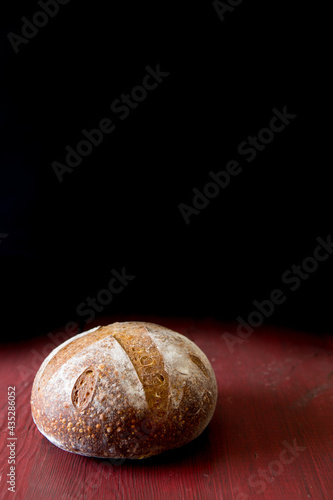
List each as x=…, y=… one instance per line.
x=146, y=359
x=84, y=388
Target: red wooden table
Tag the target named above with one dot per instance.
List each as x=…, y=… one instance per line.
x=271, y=436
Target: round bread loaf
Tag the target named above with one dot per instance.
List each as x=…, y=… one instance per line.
x=126, y=390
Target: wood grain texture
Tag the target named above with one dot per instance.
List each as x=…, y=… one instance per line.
x=271, y=436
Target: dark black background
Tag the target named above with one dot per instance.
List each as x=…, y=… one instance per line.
x=119, y=208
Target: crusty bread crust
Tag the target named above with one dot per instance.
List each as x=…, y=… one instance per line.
x=126, y=390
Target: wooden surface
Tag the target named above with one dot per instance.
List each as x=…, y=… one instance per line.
x=275, y=394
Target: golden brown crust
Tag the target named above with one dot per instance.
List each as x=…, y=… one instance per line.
x=148, y=364
x=67, y=352
x=126, y=390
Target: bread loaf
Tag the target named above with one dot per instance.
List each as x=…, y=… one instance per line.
x=126, y=390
